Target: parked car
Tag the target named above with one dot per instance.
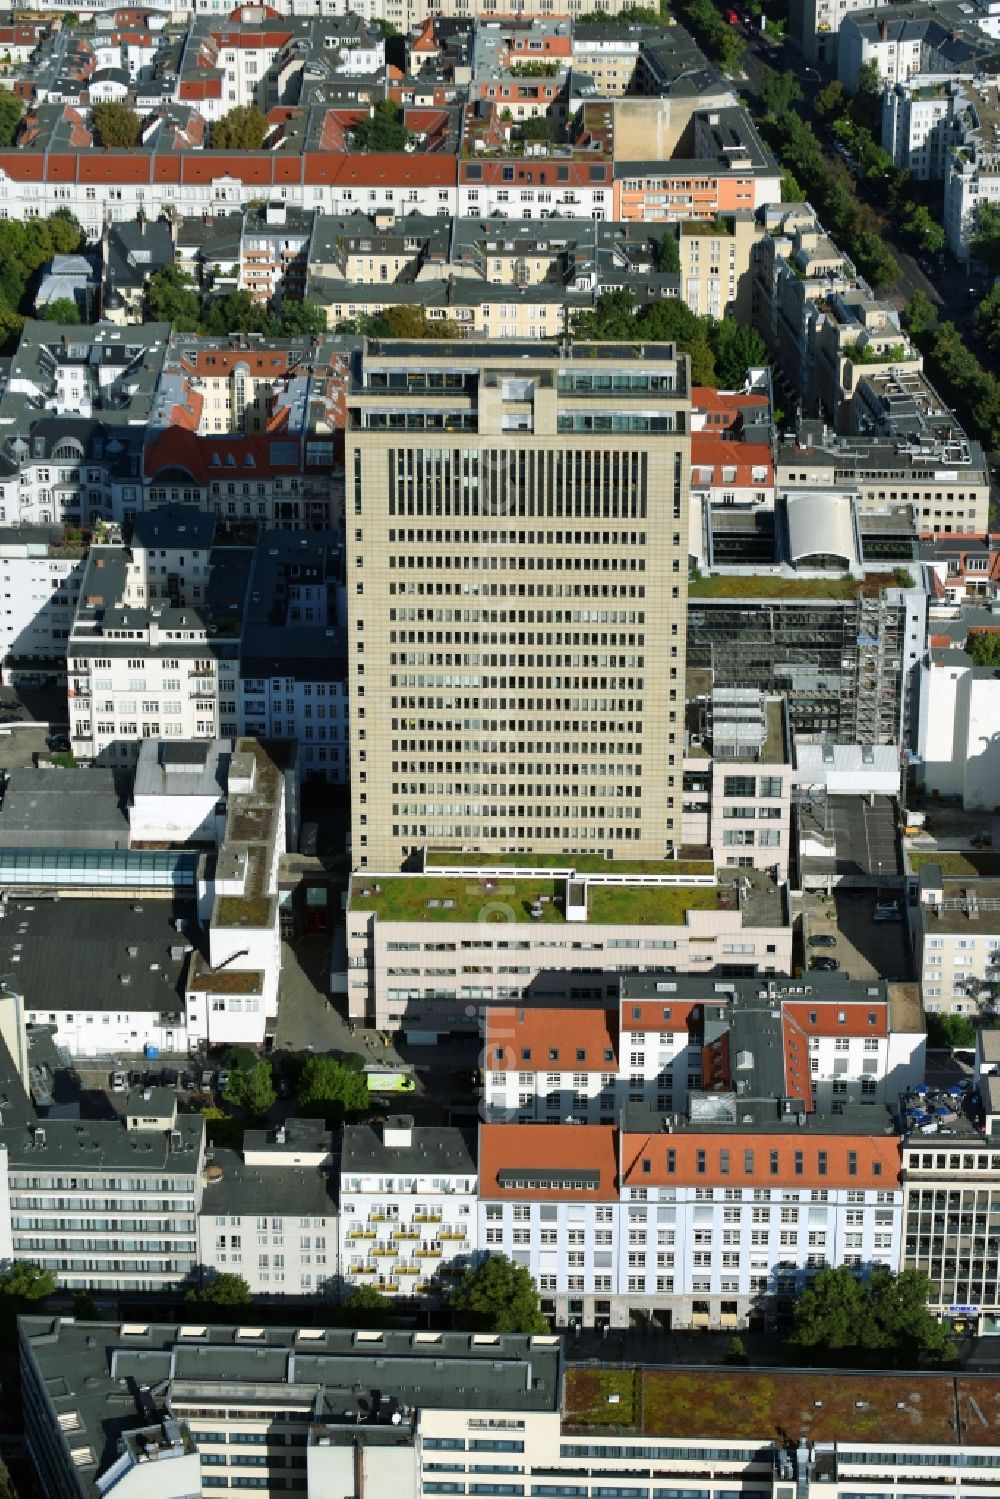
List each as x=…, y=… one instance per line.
x=187, y=1081
x=168, y=1078
x=887, y=913
x=824, y=965
x=135, y=1080
x=981, y=840
x=119, y=1082
x=854, y=892
x=58, y=744
x=222, y=1081
x=823, y=939
x=207, y=1081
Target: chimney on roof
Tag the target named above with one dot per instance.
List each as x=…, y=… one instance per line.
x=883, y=30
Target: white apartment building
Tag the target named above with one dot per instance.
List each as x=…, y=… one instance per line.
x=106, y=975
x=40, y=573
x=231, y=991
x=690, y=1224
x=429, y=951
x=269, y=1212
x=865, y=1044
x=178, y=792
x=956, y=941
x=958, y=744
x=738, y=780
x=107, y=1207
x=919, y=124
x=407, y=1206
x=154, y=648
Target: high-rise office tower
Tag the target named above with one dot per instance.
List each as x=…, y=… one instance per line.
x=517, y=542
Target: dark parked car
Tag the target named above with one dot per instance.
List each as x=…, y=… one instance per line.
x=823, y=940
x=824, y=965
x=168, y=1078
x=58, y=744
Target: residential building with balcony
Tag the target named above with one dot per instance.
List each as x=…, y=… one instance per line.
x=956, y=940
x=154, y=648
x=407, y=1207
x=41, y=570
x=269, y=1212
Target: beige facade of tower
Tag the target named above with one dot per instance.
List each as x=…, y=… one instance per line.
x=517, y=549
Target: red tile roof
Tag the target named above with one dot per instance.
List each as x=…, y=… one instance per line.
x=711, y=1159
x=666, y=1014
x=523, y=1039
x=563, y=1148
x=828, y=1022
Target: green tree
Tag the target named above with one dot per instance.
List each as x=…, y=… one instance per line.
x=365, y=1307
x=791, y=192
x=251, y=1087
x=875, y=262
x=23, y=1283
x=62, y=310
x=224, y=1289
x=239, y=313
x=947, y=1031
x=11, y=113
x=171, y=297
x=883, y=1320
x=497, y=1296
x=985, y=243
x=828, y=1313
x=831, y=100
x=382, y=130
x=920, y=314
x=115, y=125
x=337, y=1091
x=85, y=1308
x=538, y=128
x=668, y=255
x=736, y=347
x=779, y=92
x=919, y=223
x=242, y=129
x=736, y=1351
x=410, y=321
x=301, y=318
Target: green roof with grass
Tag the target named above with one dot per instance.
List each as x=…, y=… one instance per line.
x=958, y=865
x=580, y=863
x=918, y=1410
x=835, y=586
x=468, y=898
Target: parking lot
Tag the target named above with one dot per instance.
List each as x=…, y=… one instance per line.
x=864, y=948
x=19, y=746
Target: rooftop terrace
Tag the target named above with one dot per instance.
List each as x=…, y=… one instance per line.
x=835, y=586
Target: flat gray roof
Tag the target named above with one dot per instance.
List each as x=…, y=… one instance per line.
x=63, y=809
x=450, y=1151
x=96, y=954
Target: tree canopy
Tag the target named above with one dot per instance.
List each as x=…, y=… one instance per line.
x=171, y=297
x=242, y=129
x=11, y=114
x=883, y=1320
x=720, y=351
x=25, y=1283
x=62, y=310
x=251, y=1086
x=497, y=1296
x=944, y=1030
x=336, y=1090
x=224, y=1289
x=115, y=125
x=365, y=1307
x=382, y=130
